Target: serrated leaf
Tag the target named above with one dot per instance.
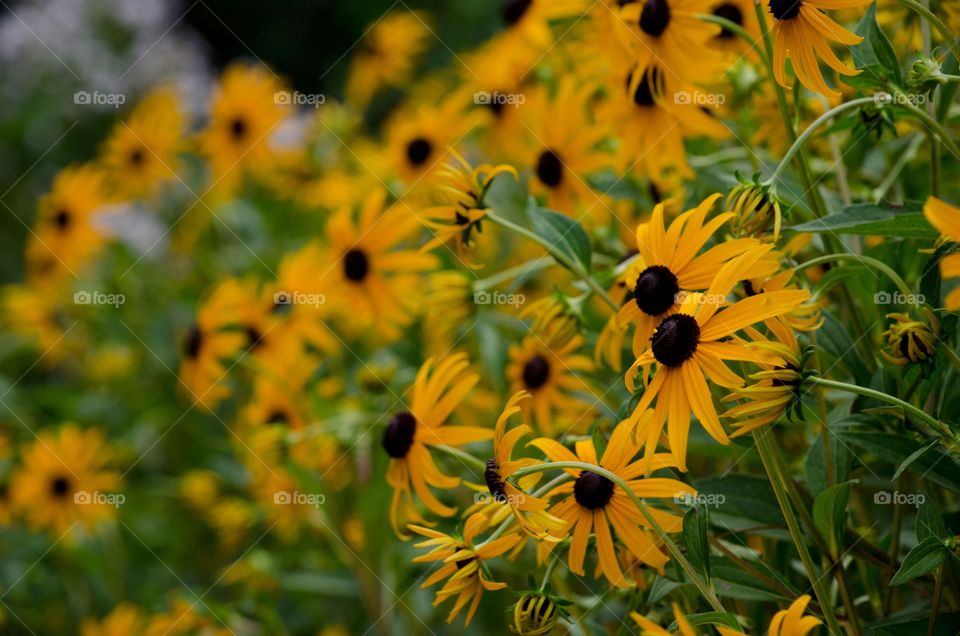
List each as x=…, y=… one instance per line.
x=874, y=219
x=929, y=521
x=829, y=514
x=561, y=231
x=875, y=55
x=695, y=524
x=922, y=559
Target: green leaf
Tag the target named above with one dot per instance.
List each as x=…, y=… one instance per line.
x=929, y=522
x=662, y=586
x=922, y=559
x=815, y=463
x=744, y=497
x=875, y=55
x=914, y=456
x=695, y=524
x=829, y=514
x=730, y=581
x=709, y=618
x=935, y=465
x=561, y=231
x=874, y=219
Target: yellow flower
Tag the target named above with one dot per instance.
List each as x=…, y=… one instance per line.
x=38, y=318
x=140, y=154
x=387, y=55
x=463, y=565
x=946, y=218
x=448, y=307
x=440, y=387
x=64, y=481
x=125, y=619
x=741, y=13
x=594, y=502
x=801, y=30
x=911, y=340
x=464, y=188
x=246, y=108
x=649, y=628
x=693, y=341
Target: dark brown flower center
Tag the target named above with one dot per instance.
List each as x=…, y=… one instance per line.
x=193, y=343
x=277, y=417
x=656, y=290
x=592, y=491
x=60, y=487
x=785, y=9
x=494, y=483
x=62, y=219
x=675, y=340
x=732, y=12
x=418, y=151
x=550, y=168
x=356, y=265
x=398, y=436
x=655, y=17
x=904, y=344
x=254, y=337
x=536, y=372
x=238, y=128
x=136, y=157
x=514, y=10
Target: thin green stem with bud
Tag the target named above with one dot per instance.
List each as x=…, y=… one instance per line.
x=880, y=266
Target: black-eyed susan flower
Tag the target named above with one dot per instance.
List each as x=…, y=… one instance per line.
x=669, y=33
x=791, y=621
x=38, y=319
x=593, y=503
x=774, y=390
x=652, y=122
x=387, y=55
x=463, y=565
x=650, y=628
x=549, y=368
x=909, y=339
x=65, y=480
x=67, y=227
x=946, y=218
x=420, y=135
x=801, y=31
x=536, y=614
x=528, y=510
x=183, y=619
x=140, y=154
x=561, y=147
x=440, y=387
x=756, y=211
x=122, y=620
x=247, y=106
x=369, y=283
x=669, y=265
x=448, y=307
x=206, y=346
x=463, y=188
x=741, y=13
x=693, y=341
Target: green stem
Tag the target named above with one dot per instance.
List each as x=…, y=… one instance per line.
x=777, y=481
x=934, y=127
x=937, y=23
x=942, y=429
x=547, y=487
x=806, y=134
x=894, y=549
x=546, y=575
x=733, y=27
x=641, y=505
x=464, y=456
x=937, y=593
x=561, y=258
x=863, y=260
x=529, y=267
